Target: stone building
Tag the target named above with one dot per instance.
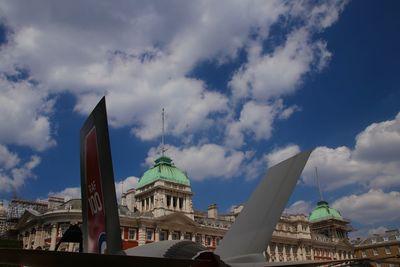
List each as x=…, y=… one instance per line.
x=321, y=236
x=384, y=245
x=161, y=208
x=3, y=219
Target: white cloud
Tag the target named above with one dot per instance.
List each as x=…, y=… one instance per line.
x=287, y=112
x=140, y=56
x=75, y=192
x=126, y=184
x=372, y=163
x=68, y=193
x=378, y=230
x=280, y=154
x=254, y=167
x=8, y=159
x=255, y=119
x=319, y=16
x=141, y=66
x=379, y=142
x=279, y=73
x=299, y=207
x=374, y=206
x=203, y=161
x=25, y=115
x=13, y=172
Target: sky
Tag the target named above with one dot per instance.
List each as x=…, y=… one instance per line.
x=244, y=85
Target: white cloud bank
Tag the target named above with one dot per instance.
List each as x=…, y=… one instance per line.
x=373, y=163
x=299, y=207
x=75, y=192
x=14, y=172
x=140, y=55
x=204, y=161
x=372, y=207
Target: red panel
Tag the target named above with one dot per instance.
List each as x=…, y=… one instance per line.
x=129, y=244
x=94, y=192
x=126, y=229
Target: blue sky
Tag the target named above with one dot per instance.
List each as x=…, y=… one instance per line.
x=244, y=85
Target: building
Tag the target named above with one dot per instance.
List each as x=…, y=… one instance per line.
x=3, y=219
x=321, y=236
x=384, y=245
x=161, y=208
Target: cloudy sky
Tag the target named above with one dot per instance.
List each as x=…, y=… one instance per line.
x=244, y=85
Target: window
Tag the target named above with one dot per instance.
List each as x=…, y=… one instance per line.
x=163, y=235
x=198, y=238
x=152, y=200
x=363, y=254
x=168, y=201
x=387, y=250
x=142, y=203
x=180, y=203
x=131, y=234
x=174, y=201
x=149, y=234
x=176, y=235
x=375, y=251
x=218, y=240
x=208, y=240
x=188, y=236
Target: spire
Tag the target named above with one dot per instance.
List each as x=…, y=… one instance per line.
x=163, y=149
x=319, y=186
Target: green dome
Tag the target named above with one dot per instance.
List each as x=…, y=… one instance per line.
x=324, y=212
x=163, y=169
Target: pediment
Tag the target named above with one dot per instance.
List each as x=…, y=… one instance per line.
x=177, y=219
x=27, y=217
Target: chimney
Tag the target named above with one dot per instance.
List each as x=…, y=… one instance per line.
x=212, y=211
x=130, y=199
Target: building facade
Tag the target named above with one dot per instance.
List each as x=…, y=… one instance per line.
x=161, y=208
x=321, y=236
x=385, y=246
x=3, y=219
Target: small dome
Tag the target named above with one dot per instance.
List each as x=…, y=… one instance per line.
x=163, y=169
x=324, y=212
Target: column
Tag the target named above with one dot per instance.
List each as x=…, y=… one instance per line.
x=284, y=252
x=142, y=236
x=299, y=253
x=303, y=249
x=38, y=234
x=169, y=234
x=268, y=253
x=291, y=253
x=312, y=253
x=157, y=234
x=53, y=237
